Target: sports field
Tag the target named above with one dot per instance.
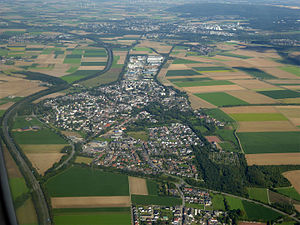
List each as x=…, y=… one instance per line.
x=258, y=117
x=270, y=142
x=221, y=99
x=79, y=181
x=259, y=194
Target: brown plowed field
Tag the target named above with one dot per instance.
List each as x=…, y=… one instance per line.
x=138, y=186
x=252, y=97
x=216, y=88
x=279, y=73
x=294, y=178
x=266, y=126
x=94, y=59
x=91, y=67
x=297, y=207
x=273, y=159
x=91, y=202
x=230, y=76
x=6, y=105
x=178, y=67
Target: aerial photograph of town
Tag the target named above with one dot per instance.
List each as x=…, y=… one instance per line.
x=149, y=112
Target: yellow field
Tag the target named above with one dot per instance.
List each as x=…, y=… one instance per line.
x=273, y=159
x=293, y=177
x=43, y=161
x=266, y=126
x=54, y=148
x=138, y=186
x=216, y=88
x=91, y=202
x=86, y=160
x=250, y=109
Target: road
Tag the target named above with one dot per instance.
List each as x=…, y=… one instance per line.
x=41, y=203
x=246, y=199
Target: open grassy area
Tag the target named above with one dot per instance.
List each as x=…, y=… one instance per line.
x=234, y=203
x=259, y=194
x=221, y=99
x=143, y=135
x=195, y=206
x=80, y=181
x=79, y=74
x=218, y=202
x=72, y=59
x=230, y=143
x=2, y=112
x=202, y=83
x=256, y=73
x=212, y=69
x=17, y=186
x=106, y=78
x=81, y=159
x=95, y=53
x=258, y=117
x=26, y=214
x=281, y=94
x=270, y=142
x=155, y=200
x=43, y=136
x=110, y=217
x=93, y=64
x=142, y=49
x=172, y=73
x=290, y=192
x=184, y=61
x=291, y=69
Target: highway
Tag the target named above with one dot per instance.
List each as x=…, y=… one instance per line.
x=41, y=203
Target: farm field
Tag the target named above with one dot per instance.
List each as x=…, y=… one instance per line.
x=47, y=148
x=212, y=69
x=152, y=187
x=270, y=142
x=259, y=194
x=266, y=126
x=17, y=186
x=290, y=192
x=221, y=99
x=258, y=117
x=96, y=218
x=96, y=183
x=234, y=203
x=90, y=202
x=291, y=69
x=219, y=115
x=281, y=94
x=202, y=83
x=155, y=200
x=173, y=73
x=81, y=159
x=184, y=61
x=26, y=214
x=138, y=186
x=273, y=159
x=218, y=202
x=257, y=212
x=256, y=73
x=293, y=177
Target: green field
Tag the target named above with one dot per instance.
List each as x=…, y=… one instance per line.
x=172, y=73
x=72, y=60
x=221, y=99
x=258, y=212
x=142, y=49
x=155, y=200
x=259, y=194
x=80, y=181
x=212, y=69
x=234, y=55
x=93, y=64
x=79, y=74
x=184, y=61
x=231, y=143
x=92, y=218
x=258, y=117
x=43, y=136
x=202, y=83
x=2, y=112
x=291, y=69
x=17, y=186
x=234, y=203
x=152, y=187
x=281, y=94
x=195, y=206
x=219, y=115
x=256, y=73
x=143, y=135
x=95, y=53
x=270, y=142
x=218, y=202
x=290, y=192
x=189, y=79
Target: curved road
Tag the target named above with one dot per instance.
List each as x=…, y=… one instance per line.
x=29, y=176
